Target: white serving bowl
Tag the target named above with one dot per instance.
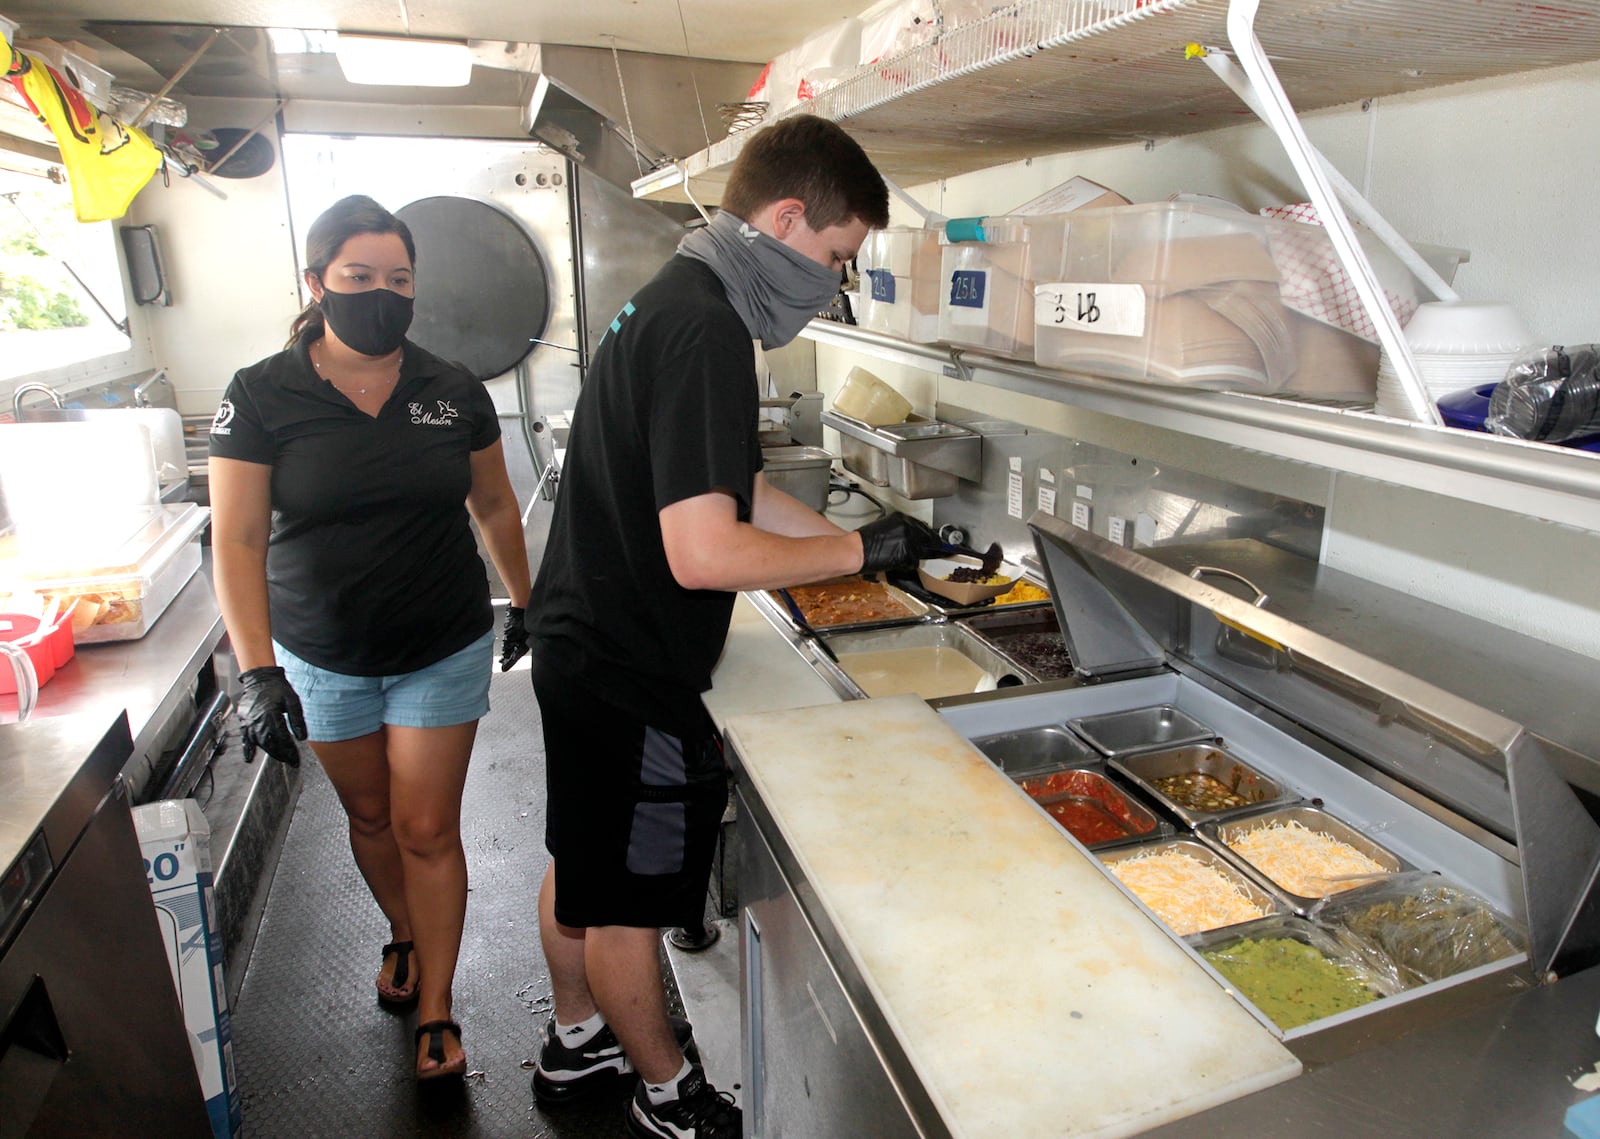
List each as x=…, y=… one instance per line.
x=1456, y=327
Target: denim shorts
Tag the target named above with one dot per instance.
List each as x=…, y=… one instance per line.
x=454, y=690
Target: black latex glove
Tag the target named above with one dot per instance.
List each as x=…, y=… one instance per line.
x=269, y=715
x=513, y=637
x=895, y=541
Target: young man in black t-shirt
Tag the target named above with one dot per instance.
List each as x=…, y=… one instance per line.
x=663, y=516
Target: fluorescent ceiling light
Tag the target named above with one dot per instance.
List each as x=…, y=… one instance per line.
x=397, y=61
x=301, y=41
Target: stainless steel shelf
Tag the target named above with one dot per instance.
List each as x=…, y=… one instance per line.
x=1048, y=76
x=1555, y=483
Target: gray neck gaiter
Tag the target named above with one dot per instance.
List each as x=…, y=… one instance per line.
x=775, y=289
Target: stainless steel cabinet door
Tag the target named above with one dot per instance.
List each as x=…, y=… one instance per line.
x=811, y=1069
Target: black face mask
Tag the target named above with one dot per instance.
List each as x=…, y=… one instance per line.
x=373, y=322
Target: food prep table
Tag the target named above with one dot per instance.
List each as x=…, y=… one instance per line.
x=838, y=801
x=150, y=678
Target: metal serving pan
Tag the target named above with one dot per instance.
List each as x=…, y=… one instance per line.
x=1257, y=790
x=1116, y=734
x=1223, y=832
x=1268, y=903
x=1289, y=927
x=1029, y=750
x=918, y=610
x=1002, y=673
x=1076, y=798
x=1029, y=634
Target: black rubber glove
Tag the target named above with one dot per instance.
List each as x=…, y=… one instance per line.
x=513, y=637
x=269, y=715
x=897, y=541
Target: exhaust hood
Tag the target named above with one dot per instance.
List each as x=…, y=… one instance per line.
x=624, y=114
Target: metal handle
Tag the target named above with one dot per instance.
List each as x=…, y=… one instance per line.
x=1261, y=596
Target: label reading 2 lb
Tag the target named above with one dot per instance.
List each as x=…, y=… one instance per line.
x=1112, y=310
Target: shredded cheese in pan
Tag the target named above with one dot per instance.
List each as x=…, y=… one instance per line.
x=1184, y=892
x=1303, y=861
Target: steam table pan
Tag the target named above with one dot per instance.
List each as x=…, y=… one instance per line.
x=1115, y=734
x=1144, y=769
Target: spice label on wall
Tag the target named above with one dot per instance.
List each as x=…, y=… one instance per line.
x=1047, y=490
x=1111, y=310
x=1014, y=488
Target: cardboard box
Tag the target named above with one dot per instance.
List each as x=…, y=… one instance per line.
x=175, y=841
x=1073, y=194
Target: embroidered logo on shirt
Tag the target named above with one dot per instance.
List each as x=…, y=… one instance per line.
x=748, y=232
x=443, y=417
x=224, y=416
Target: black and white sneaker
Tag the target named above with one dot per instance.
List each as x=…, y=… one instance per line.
x=699, y=1112
x=564, y=1074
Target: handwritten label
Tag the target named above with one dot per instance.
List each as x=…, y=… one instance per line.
x=1112, y=310
x=882, y=285
x=1014, y=494
x=967, y=288
x=1047, y=490
x=1082, y=514
x=1117, y=531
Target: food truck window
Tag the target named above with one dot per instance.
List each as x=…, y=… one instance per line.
x=62, y=299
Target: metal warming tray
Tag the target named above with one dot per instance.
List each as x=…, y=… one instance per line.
x=1463, y=763
x=1116, y=734
x=1225, y=832
x=917, y=610
x=1290, y=1012
x=1029, y=750
x=1211, y=761
x=1267, y=903
x=1429, y=780
x=998, y=672
x=1091, y=808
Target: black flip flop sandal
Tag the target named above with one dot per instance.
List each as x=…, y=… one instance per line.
x=402, y=973
x=434, y=1030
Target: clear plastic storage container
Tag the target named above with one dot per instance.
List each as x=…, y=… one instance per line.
x=120, y=589
x=986, y=285
x=1195, y=295
x=900, y=285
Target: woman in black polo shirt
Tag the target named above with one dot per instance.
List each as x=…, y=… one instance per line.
x=343, y=472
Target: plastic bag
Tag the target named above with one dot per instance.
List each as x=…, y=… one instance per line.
x=1418, y=928
x=1549, y=395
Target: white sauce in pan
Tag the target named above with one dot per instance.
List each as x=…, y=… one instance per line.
x=929, y=672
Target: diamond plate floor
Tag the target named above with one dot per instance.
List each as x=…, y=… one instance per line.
x=318, y=1056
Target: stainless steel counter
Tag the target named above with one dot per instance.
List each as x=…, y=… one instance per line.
x=1488, y=1064
x=53, y=776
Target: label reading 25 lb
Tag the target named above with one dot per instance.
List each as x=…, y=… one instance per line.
x=1112, y=310
x=967, y=288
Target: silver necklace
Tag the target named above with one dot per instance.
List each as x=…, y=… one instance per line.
x=344, y=388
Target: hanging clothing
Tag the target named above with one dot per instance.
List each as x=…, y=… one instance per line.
x=107, y=163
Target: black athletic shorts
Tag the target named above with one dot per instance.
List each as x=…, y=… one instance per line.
x=632, y=814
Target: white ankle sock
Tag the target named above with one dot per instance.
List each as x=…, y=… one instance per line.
x=664, y=1093
x=577, y=1035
